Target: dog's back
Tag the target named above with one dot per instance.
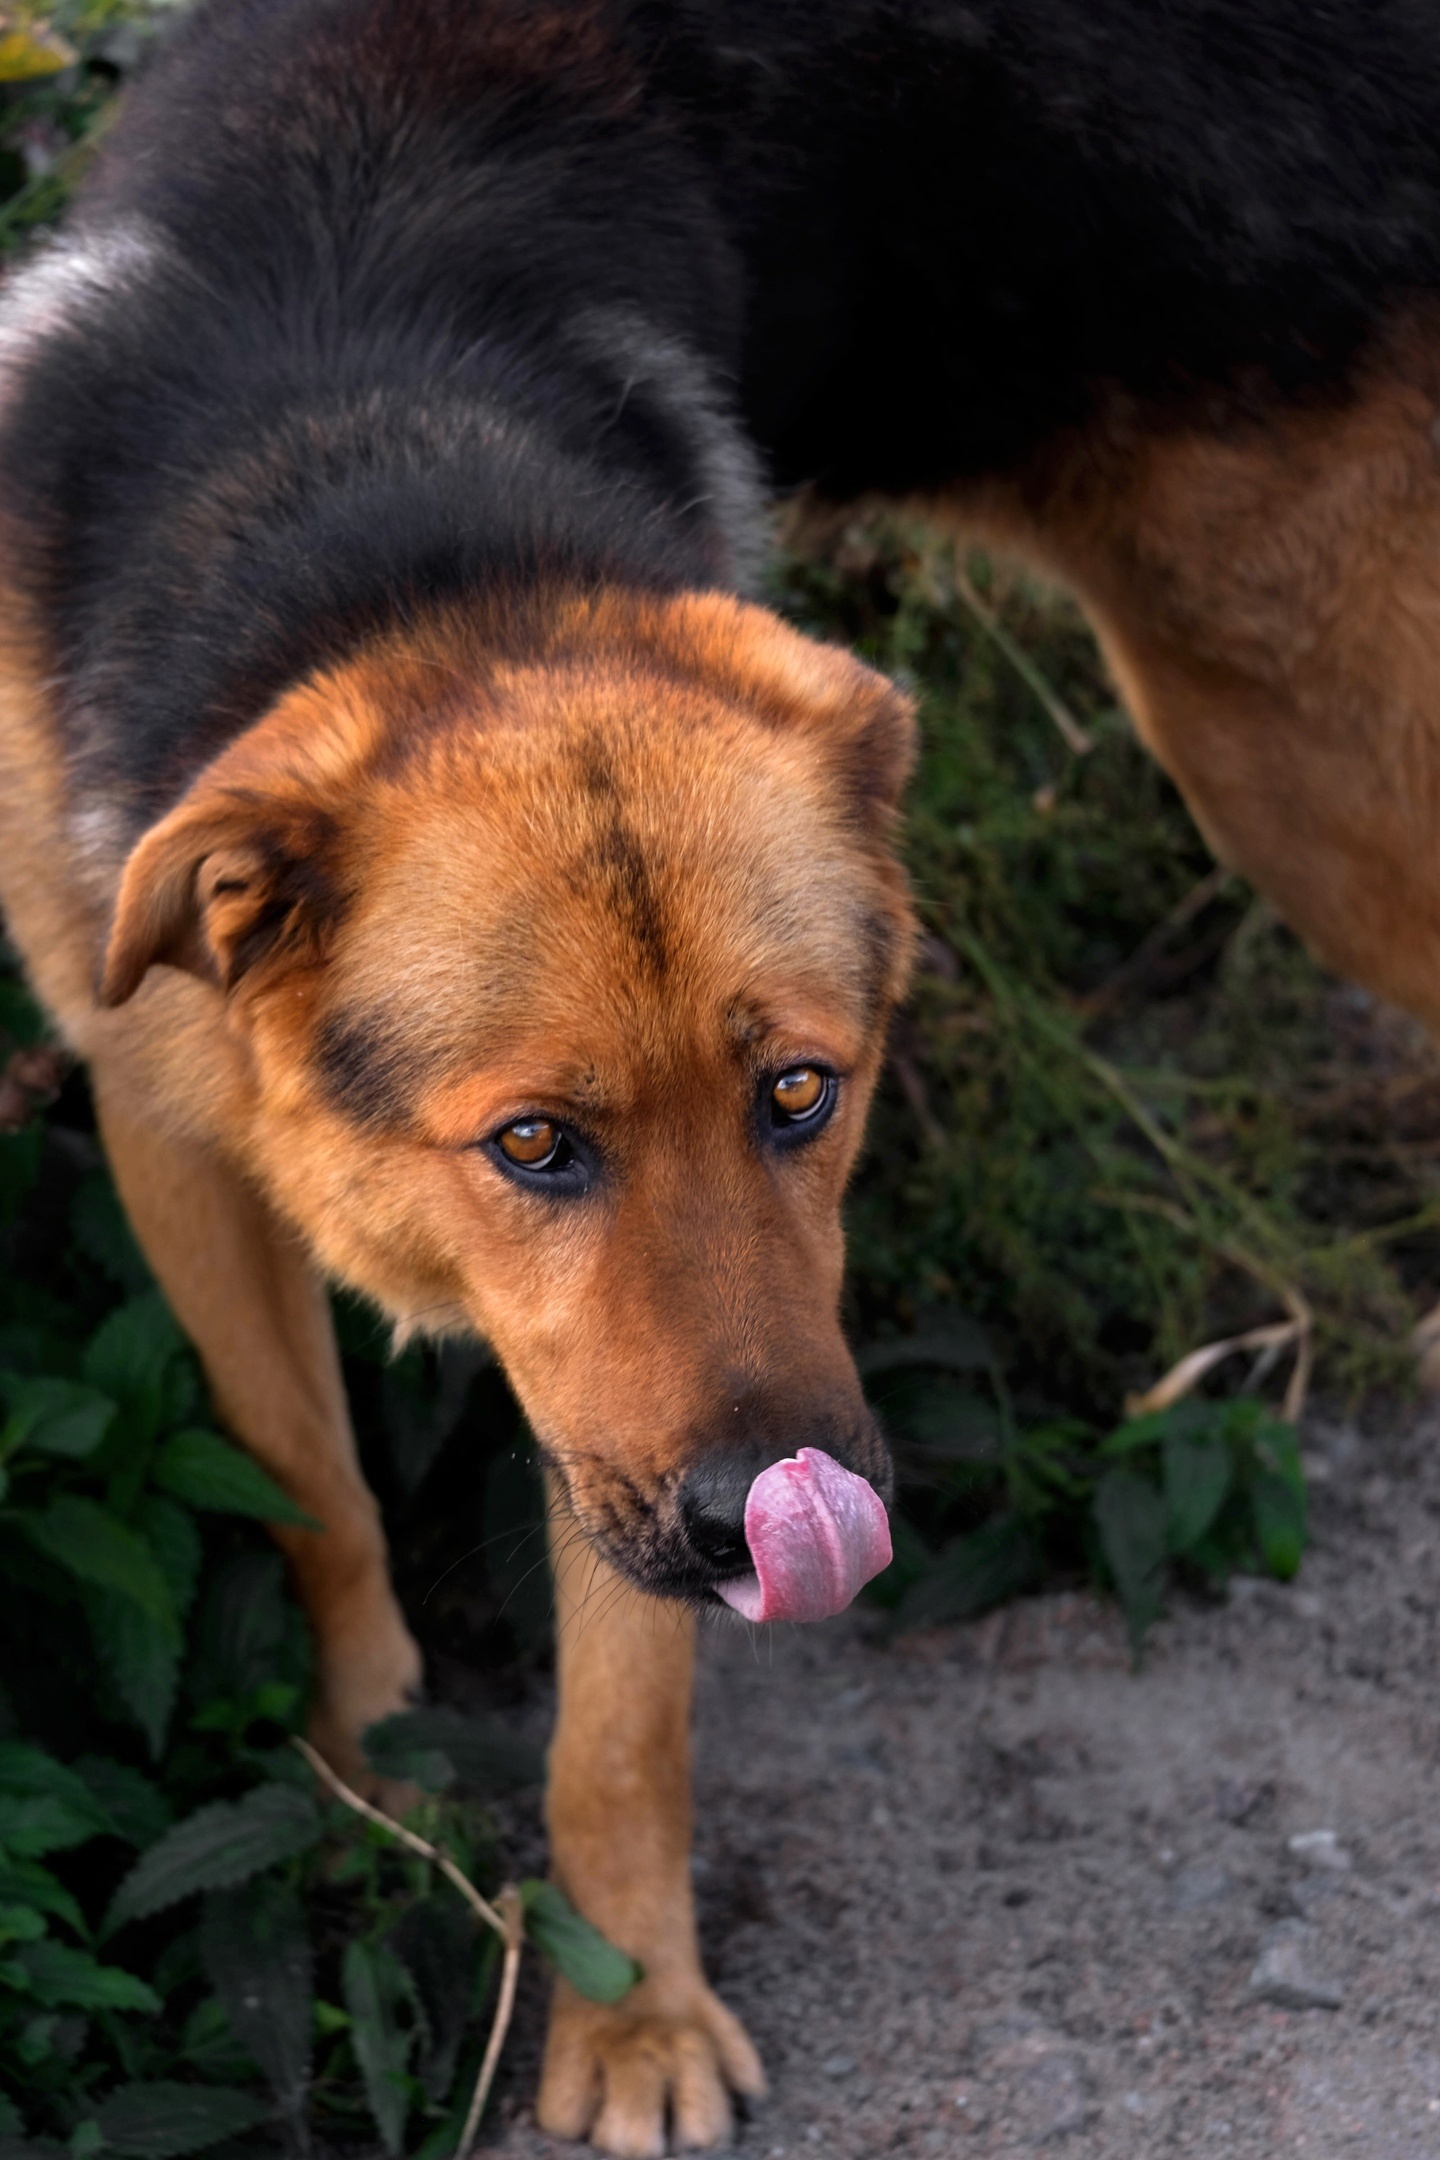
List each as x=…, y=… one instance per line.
x=346, y=263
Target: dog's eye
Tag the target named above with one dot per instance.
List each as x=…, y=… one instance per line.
x=533, y=1143
x=799, y=1102
x=799, y=1094
x=542, y=1154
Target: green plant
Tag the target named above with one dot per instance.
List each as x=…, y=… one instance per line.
x=1195, y=1491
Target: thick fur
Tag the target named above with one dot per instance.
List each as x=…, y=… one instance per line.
x=387, y=750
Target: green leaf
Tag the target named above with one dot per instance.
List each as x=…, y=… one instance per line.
x=209, y=2045
x=173, y=1538
x=162, y=2121
x=142, y=1657
x=1197, y=1470
x=130, y=1359
x=1130, y=1517
x=207, y=1472
x=54, y=1417
x=55, y=1974
x=1140, y=1432
x=80, y=1535
x=30, y=1770
x=436, y=1942
x=255, y=1947
x=20, y=1923
x=249, y=1632
x=1278, y=1513
x=593, y=1966
x=225, y=1843
x=993, y=1563
x=1278, y=1448
x=135, y=1804
x=26, y=1881
x=434, y=1747
x=377, y=1990
x=35, y=1823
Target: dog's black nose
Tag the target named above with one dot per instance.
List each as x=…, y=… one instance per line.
x=712, y=1510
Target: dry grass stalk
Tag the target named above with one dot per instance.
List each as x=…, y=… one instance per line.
x=1076, y=737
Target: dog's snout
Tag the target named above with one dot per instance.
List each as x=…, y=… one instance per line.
x=712, y=1510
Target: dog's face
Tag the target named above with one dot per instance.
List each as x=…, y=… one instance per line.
x=563, y=979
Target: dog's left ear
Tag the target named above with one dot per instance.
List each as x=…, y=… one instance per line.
x=855, y=719
x=865, y=725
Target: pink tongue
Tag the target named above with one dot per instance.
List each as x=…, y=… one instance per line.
x=816, y=1532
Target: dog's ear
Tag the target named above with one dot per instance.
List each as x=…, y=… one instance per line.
x=855, y=719
x=229, y=883
x=862, y=723
x=245, y=875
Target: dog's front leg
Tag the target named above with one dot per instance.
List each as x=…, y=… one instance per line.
x=619, y=1813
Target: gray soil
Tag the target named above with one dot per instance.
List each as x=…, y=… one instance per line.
x=983, y=1892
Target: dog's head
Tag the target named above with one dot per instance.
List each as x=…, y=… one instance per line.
x=560, y=960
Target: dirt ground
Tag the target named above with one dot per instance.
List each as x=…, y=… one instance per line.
x=984, y=1892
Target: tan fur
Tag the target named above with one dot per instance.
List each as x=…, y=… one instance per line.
x=1267, y=592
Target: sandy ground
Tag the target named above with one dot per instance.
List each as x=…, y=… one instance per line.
x=985, y=1893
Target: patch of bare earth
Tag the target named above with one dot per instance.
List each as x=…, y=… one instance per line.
x=984, y=1892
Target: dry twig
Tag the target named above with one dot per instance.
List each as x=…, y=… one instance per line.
x=1075, y=736
x=1299, y=1329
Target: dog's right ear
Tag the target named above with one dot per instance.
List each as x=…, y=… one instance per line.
x=245, y=877
x=224, y=888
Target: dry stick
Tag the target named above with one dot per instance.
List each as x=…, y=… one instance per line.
x=506, y=1916
x=1192, y=1368
x=509, y=1901
x=1300, y=1327
x=1075, y=735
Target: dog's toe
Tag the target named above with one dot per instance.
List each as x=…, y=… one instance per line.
x=642, y=2083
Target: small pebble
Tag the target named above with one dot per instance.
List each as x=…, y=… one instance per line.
x=1320, y=1849
x=1282, y=1973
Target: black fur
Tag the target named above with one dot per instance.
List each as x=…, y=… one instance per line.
x=442, y=283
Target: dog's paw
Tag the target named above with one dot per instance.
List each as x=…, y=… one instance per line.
x=355, y=1692
x=650, y=2075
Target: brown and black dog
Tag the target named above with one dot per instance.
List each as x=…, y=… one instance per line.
x=459, y=891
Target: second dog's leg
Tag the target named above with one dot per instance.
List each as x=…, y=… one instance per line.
x=246, y=1294
x=619, y=1811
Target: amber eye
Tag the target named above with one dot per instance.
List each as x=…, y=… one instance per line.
x=532, y=1142
x=800, y=1092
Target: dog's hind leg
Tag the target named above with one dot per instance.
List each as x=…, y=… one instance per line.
x=619, y=1813
x=1268, y=596
x=245, y=1292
